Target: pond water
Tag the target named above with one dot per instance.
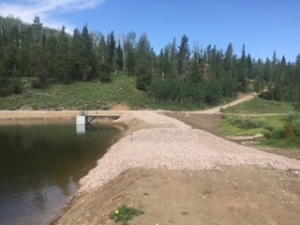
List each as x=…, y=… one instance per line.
x=41, y=164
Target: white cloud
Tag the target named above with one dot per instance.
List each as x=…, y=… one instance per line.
x=45, y=9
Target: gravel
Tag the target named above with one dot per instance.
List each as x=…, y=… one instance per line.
x=178, y=147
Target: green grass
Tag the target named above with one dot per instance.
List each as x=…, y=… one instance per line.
x=261, y=106
x=274, y=128
x=249, y=126
x=87, y=96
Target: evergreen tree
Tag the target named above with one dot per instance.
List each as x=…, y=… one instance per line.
x=228, y=61
x=267, y=73
x=111, y=52
x=62, y=57
x=87, y=55
x=196, y=75
x=77, y=62
x=275, y=69
x=183, y=58
x=161, y=64
x=130, y=62
x=173, y=60
x=51, y=50
x=216, y=69
x=25, y=52
x=258, y=74
x=243, y=72
x=154, y=62
x=119, y=57
x=38, y=53
x=129, y=53
x=250, y=65
x=143, y=63
x=104, y=67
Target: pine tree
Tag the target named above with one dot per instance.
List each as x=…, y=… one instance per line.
x=216, y=70
x=62, y=57
x=129, y=52
x=161, y=64
x=228, y=61
x=170, y=62
x=173, y=60
x=25, y=53
x=143, y=63
x=87, y=54
x=131, y=62
x=77, y=62
x=51, y=49
x=38, y=53
x=267, y=74
x=250, y=65
x=183, y=58
x=119, y=57
x=154, y=62
x=104, y=68
x=111, y=52
x=195, y=75
x=243, y=72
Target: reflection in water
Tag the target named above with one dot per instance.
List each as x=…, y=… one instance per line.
x=80, y=128
x=41, y=165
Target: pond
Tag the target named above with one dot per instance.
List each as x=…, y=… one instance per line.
x=41, y=164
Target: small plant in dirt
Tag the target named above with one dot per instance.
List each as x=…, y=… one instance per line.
x=124, y=214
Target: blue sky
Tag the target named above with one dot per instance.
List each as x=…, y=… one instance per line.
x=262, y=25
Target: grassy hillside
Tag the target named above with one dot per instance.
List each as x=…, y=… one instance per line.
x=86, y=96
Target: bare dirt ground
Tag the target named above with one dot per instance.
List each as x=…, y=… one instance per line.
x=207, y=122
x=224, y=196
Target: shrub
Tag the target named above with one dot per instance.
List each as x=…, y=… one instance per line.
x=246, y=123
x=5, y=91
x=17, y=87
x=266, y=95
x=289, y=130
x=36, y=84
x=277, y=134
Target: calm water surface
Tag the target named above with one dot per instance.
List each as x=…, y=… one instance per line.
x=40, y=166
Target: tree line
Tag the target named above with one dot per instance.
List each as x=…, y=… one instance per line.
x=179, y=73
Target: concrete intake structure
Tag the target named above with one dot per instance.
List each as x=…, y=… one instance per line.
x=81, y=120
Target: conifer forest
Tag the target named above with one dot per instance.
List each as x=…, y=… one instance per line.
x=181, y=72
